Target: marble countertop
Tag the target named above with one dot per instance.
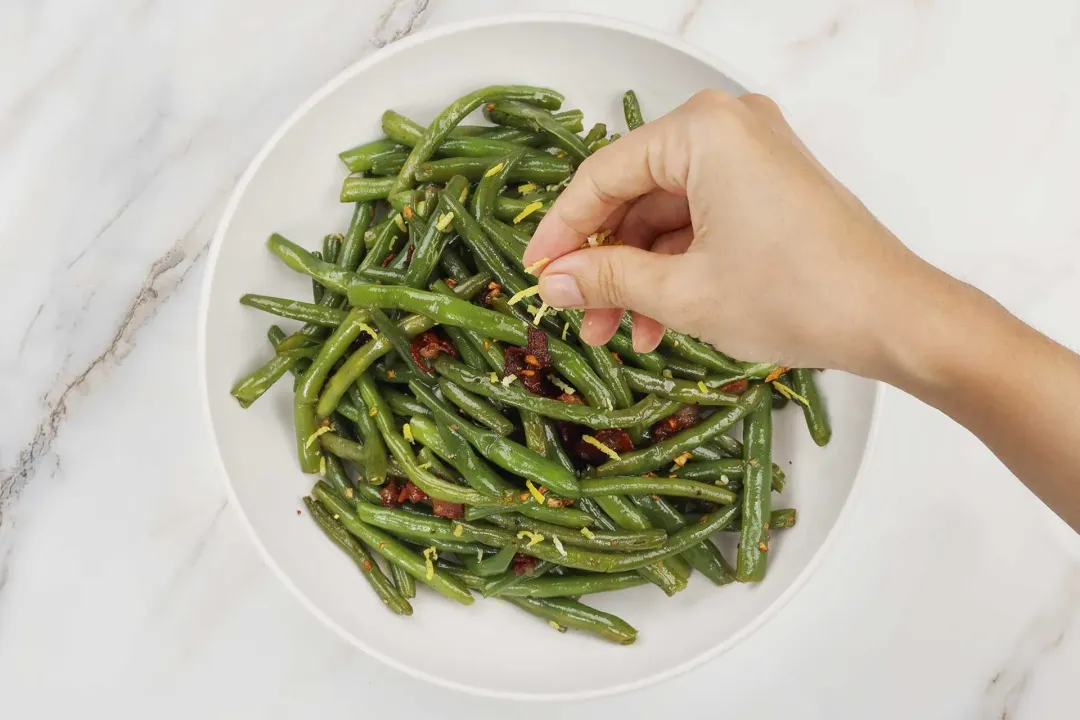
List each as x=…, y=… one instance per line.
x=127, y=585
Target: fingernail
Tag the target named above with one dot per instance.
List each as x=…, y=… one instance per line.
x=561, y=291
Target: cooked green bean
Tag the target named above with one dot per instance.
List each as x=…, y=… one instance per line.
x=389, y=548
x=535, y=119
x=403, y=581
x=538, y=168
x=477, y=408
x=595, y=540
x=375, y=458
x=296, y=309
x=391, y=596
x=757, y=488
x=567, y=613
x=703, y=557
x=817, y=421
x=634, y=485
x=682, y=390
x=631, y=111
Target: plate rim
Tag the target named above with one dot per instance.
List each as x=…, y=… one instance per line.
x=631, y=28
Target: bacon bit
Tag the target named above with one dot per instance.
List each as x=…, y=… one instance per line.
x=407, y=212
x=366, y=565
x=615, y=356
x=389, y=259
x=531, y=360
x=454, y=511
x=614, y=440
x=775, y=374
x=537, y=346
x=528, y=373
x=557, y=502
x=409, y=253
x=571, y=399
x=682, y=419
x=389, y=493
x=683, y=459
x=517, y=362
x=735, y=387
x=763, y=546
x=523, y=564
x=411, y=493
x=599, y=445
x=489, y=107
x=494, y=286
x=451, y=283
x=429, y=346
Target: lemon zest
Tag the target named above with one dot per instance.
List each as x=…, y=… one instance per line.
x=315, y=436
x=494, y=169
x=588, y=533
x=527, y=211
x=527, y=292
x=430, y=555
x=601, y=447
x=537, y=495
x=537, y=265
x=534, y=538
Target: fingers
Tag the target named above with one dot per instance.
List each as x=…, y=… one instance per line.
x=646, y=333
x=653, y=215
x=656, y=155
x=610, y=277
x=599, y=325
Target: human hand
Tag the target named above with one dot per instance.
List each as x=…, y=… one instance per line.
x=730, y=231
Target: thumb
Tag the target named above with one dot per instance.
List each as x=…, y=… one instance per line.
x=616, y=276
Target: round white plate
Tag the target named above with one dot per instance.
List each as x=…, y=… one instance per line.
x=490, y=648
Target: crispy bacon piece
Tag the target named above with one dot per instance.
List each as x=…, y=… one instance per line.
x=537, y=347
x=411, y=493
x=389, y=259
x=736, y=387
x=389, y=493
x=531, y=364
x=615, y=438
x=444, y=509
x=682, y=419
x=522, y=564
x=429, y=346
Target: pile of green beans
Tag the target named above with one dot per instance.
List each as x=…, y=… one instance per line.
x=437, y=464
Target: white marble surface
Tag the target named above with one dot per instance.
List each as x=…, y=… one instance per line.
x=127, y=586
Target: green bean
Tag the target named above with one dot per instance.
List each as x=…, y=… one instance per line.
x=317, y=290
x=632, y=110
x=505, y=453
x=337, y=478
x=403, y=523
x=430, y=246
x=436, y=488
x=575, y=585
x=496, y=564
x=476, y=141
x=623, y=346
x=532, y=426
x=427, y=457
x=710, y=470
x=596, y=540
x=478, y=475
x=440, y=128
x=566, y=613
x=507, y=581
x=454, y=311
x=782, y=519
x=361, y=157
x=817, y=421
x=305, y=425
x=669, y=576
x=403, y=404
x=359, y=188
x=603, y=363
x=534, y=119
x=493, y=182
x=355, y=452
x=534, y=168
x=476, y=408
x=384, y=275
x=681, y=390
x=723, y=447
x=757, y=483
x=389, y=163
x=654, y=456
x=649, y=410
x=403, y=581
x=332, y=247
x=698, y=352
x=468, y=344
x=385, y=239
x=362, y=359
x=295, y=309
x=375, y=459
x=390, y=548
x=382, y=586
x=555, y=449
x=332, y=351
x=402, y=346
x=596, y=132
x=703, y=557
x=454, y=265
x=251, y=387
x=507, y=209
x=675, y=487
x=329, y=275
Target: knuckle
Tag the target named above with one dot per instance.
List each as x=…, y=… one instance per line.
x=609, y=283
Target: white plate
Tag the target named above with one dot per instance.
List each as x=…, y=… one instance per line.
x=291, y=187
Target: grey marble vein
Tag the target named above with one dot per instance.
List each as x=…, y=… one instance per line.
x=688, y=17
x=399, y=19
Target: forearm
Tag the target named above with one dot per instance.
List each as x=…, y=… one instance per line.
x=1015, y=389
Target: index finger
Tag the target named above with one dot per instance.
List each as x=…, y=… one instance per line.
x=656, y=155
